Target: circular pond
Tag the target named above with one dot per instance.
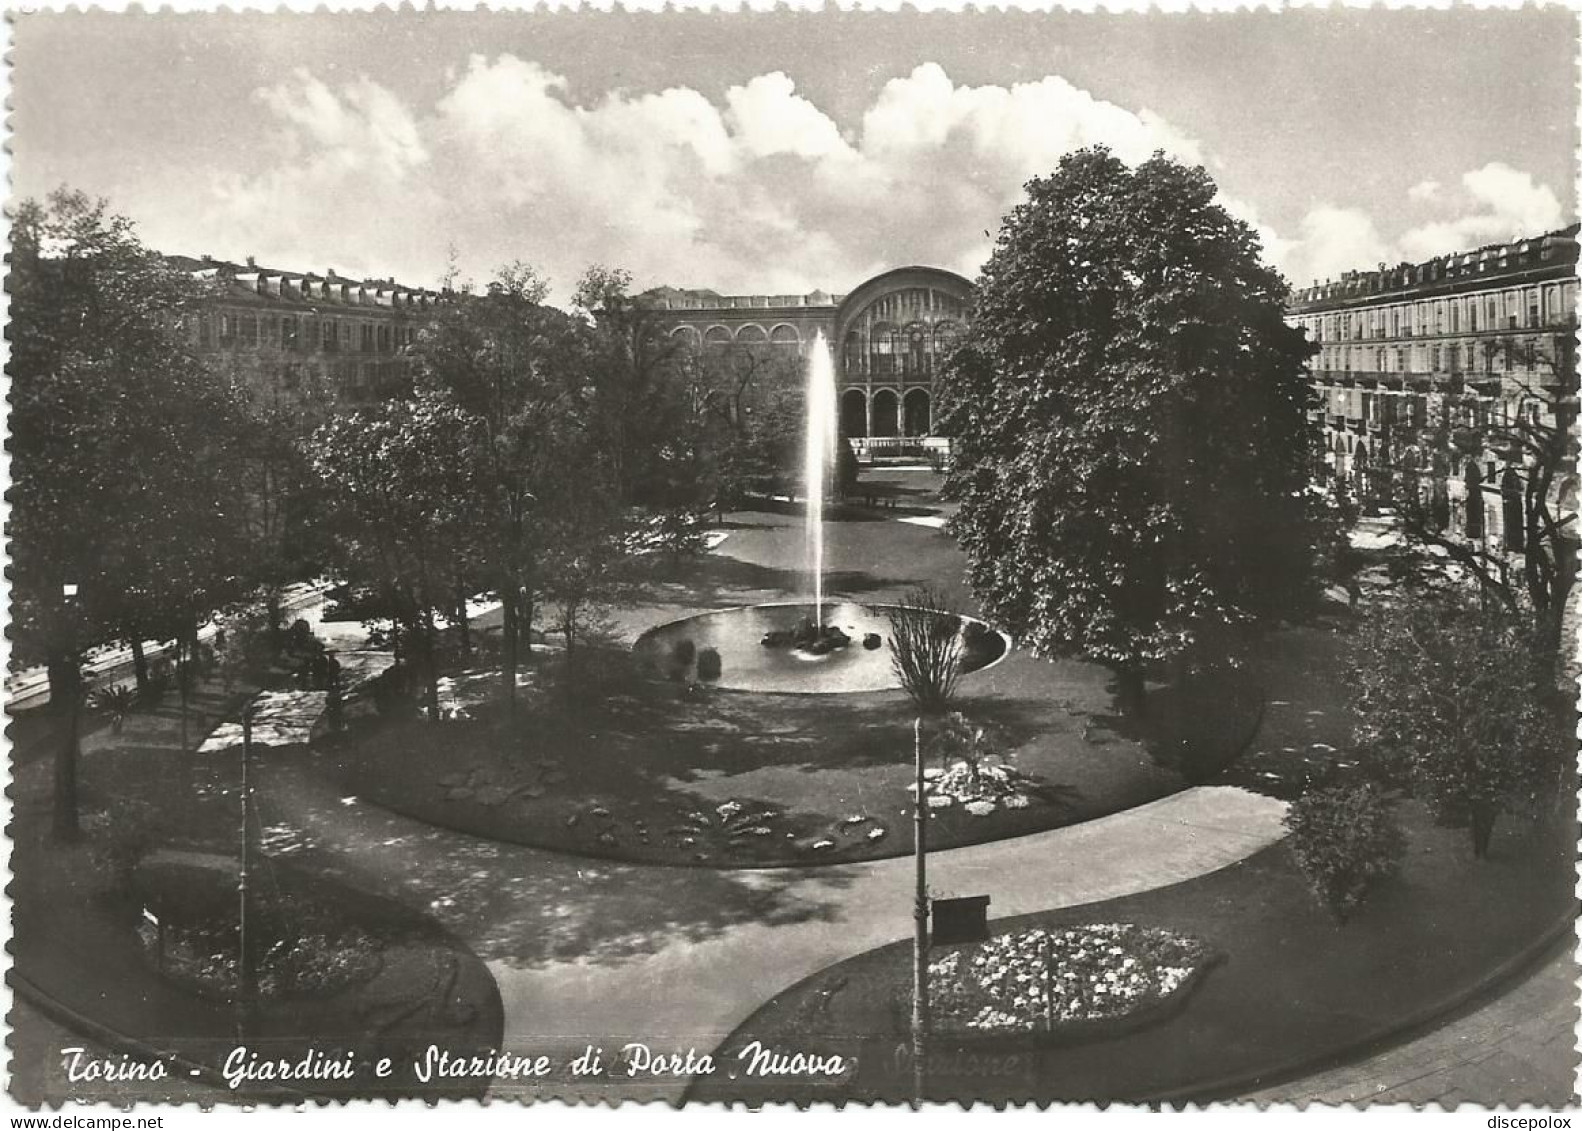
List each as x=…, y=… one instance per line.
x=771, y=648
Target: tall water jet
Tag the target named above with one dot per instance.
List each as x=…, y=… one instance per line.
x=819, y=462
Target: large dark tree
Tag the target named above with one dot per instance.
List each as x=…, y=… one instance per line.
x=408, y=487
x=523, y=370
x=1129, y=413
x=124, y=493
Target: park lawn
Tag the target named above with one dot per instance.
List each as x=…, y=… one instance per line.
x=647, y=771
x=76, y=918
x=1295, y=991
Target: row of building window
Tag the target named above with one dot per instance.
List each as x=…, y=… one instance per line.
x=1518, y=308
x=347, y=376
x=1489, y=357
x=229, y=329
x=1413, y=410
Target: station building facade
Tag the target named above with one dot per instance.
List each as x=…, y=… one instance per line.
x=1418, y=364
x=887, y=337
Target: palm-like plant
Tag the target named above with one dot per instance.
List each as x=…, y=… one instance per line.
x=115, y=703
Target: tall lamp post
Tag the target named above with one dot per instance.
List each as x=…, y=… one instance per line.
x=920, y=925
x=246, y=976
x=65, y=679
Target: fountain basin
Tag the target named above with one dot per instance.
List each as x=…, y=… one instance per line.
x=747, y=663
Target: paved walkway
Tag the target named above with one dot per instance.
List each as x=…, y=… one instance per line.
x=1519, y=1048
x=676, y=957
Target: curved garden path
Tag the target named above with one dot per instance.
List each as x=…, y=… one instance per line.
x=678, y=957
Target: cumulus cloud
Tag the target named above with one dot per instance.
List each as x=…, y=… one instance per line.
x=1491, y=203
x=762, y=192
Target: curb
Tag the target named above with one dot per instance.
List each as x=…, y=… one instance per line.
x=1228, y=1089
x=25, y=990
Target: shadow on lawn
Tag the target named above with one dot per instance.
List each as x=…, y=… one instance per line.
x=720, y=581
x=1196, y=728
x=525, y=907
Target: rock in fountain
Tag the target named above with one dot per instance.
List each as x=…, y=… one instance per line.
x=809, y=637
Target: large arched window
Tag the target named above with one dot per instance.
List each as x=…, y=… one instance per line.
x=915, y=412
x=882, y=343
x=946, y=335
x=886, y=413
x=853, y=414
x=918, y=343
x=854, y=359
x=786, y=340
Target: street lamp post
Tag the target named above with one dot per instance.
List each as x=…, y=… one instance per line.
x=920, y=925
x=65, y=679
x=246, y=976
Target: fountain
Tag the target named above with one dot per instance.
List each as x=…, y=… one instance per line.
x=791, y=647
x=818, y=462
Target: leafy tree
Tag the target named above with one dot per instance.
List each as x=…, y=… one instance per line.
x=637, y=412
x=286, y=541
x=1345, y=839
x=1452, y=698
x=405, y=481
x=523, y=371
x=1532, y=570
x=1129, y=413
x=123, y=483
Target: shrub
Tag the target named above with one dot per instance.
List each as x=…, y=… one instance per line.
x=160, y=680
x=1452, y=699
x=116, y=703
x=925, y=648
x=709, y=664
x=129, y=831
x=847, y=469
x=1345, y=839
x=388, y=690
x=684, y=653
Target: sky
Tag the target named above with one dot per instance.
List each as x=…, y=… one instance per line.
x=783, y=152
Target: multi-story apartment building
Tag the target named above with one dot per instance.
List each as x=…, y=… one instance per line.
x=286, y=332
x=1418, y=365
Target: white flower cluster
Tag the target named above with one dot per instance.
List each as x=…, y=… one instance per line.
x=986, y=784
x=1037, y=979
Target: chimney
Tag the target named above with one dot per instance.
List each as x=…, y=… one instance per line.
x=251, y=266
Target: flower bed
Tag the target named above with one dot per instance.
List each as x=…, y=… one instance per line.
x=1077, y=980
x=204, y=958
x=979, y=787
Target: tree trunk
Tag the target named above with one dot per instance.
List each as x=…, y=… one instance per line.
x=508, y=637
x=525, y=628
x=463, y=624
x=1483, y=816
x=276, y=615
x=182, y=672
x=65, y=694
x=569, y=631
x=134, y=640
x=1131, y=691
x=430, y=665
